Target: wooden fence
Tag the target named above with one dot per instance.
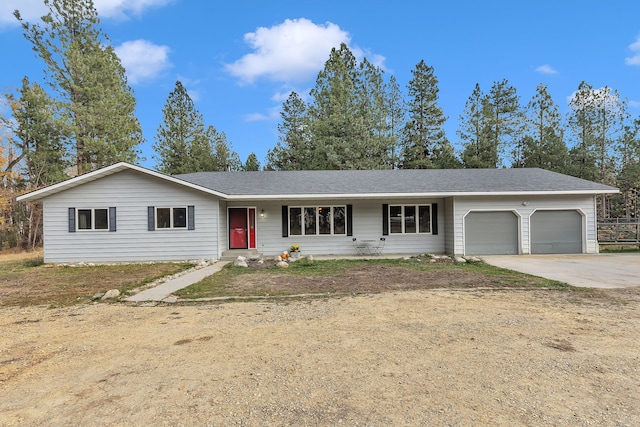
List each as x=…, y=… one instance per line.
x=619, y=231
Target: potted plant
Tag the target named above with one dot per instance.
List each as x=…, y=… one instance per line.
x=294, y=250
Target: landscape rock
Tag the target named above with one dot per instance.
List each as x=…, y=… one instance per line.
x=282, y=264
x=460, y=260
x=241, y=262
x=110, y=294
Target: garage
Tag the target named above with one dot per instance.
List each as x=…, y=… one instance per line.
x=556, y=232
x=491, y=233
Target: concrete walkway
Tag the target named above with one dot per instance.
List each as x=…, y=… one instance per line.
x=163, y=291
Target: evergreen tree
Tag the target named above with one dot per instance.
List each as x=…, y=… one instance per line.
x=252, y=164
x=336, y=123
x=426, y=144
x=543, y=145
x=475, y=131
x=224, y=158
x=40, y=141
x=582, y=122
x=628, y=178
x=396, y=110
x=506, y=117
x=597, y=121
x=371, y=93
x=82, y=67
x=611, y=113
x=181, y=136
x=293, y=151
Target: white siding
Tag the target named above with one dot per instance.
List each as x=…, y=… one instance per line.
x=523, y=207
x=131, y=193
x=447, y=221
x=367, y=224
x=223, y=228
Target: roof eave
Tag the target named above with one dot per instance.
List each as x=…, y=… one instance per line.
x=106, y=171
x=414, y=195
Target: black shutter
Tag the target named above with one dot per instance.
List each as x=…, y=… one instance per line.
x=191, y=217
x=112, y=219
x=72, y=220
x=434, y=218
x=385, y=220
x=349, y=220
x=285, y=221
x=151, y=218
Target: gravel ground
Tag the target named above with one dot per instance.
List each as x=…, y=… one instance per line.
x=454, y=357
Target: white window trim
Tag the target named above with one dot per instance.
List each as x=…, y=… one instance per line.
x=417, y=215
x=317, y=233
x=93, y=220
x=171, y=209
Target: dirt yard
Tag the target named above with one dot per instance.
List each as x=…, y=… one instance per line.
x=410, y=357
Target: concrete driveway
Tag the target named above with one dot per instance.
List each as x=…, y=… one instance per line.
x=585, y=270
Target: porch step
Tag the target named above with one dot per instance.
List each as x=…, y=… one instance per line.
x=233, y=254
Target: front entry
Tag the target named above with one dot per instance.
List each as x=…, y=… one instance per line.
x=242, y=228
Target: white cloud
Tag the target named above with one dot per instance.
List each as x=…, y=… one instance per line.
x=634, y=104
x=273, y=114
x=291, y=51
x=634, y=47
x=282, y=95
x=122, y=9
x=142, y=59
x=546, y=69
x=32, y=10
x=603, y=96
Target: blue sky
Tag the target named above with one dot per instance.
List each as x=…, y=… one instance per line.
x=239, y=60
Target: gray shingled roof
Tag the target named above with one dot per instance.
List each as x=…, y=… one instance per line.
x=371, y=182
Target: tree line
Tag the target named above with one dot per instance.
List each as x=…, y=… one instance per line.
x=355, y=117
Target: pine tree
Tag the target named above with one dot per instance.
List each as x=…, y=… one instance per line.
x=252, y=164
x=543, y=145
x=426, y=144
x=336, y=123
x=293, y=150
x=582, y=122
x=82, y=67
x=181, y=135
x=475, y=131
x=396, y=110
x=628, y=178
x=224, y=158
x=40, y=141
x=506, y=117
x=371, y=98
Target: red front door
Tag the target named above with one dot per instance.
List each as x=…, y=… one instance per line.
x=252, y=228
x=238, y=228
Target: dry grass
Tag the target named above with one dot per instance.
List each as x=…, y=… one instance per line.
x=25, y=280
x=8, y=255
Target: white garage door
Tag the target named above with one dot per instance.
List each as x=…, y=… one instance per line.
x=556, y=232
x=491, y=233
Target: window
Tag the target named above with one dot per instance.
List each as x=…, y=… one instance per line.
x=409, y=219
x=317, y=220
x=87, y=219
x=93, y=219
x=171, y=218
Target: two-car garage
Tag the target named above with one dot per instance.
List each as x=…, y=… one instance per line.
x=498, y=232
